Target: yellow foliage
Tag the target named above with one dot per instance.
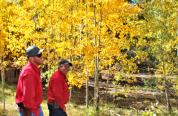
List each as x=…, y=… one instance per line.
x=80, y=32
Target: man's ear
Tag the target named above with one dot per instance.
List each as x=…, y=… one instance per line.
x=30, y=59
x=59, y=67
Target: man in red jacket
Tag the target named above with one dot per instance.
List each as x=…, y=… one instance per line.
x=58, y=94
x=29, y=93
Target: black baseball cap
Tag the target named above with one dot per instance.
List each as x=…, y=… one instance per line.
x=33, y=51
x=64, y=61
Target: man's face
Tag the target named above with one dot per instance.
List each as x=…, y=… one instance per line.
x=37, y=60
x=64, y=68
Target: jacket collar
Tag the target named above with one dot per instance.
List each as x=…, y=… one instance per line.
x=62, y=74
x=34, y=67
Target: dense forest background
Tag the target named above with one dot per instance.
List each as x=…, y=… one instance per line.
x=119, y=42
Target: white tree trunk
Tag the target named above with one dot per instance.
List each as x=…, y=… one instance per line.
x=3, y=82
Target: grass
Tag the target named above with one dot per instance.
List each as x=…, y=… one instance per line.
x=11, y=108
x=10, y=105
x=74, y=108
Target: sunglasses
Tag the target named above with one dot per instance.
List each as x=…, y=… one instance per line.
x=39, y=55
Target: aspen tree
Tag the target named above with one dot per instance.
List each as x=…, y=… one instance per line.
x=159, y=29
x=3, y=82
x=3, y=43
x=96, y=89
x=2, y=70
x=71, y=58
x=87, y=91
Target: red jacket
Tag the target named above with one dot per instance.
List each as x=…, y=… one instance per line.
x=29, y=88
x=58, y=89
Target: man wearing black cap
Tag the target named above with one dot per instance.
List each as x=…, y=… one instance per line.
x=58, y=94
x=29, y=93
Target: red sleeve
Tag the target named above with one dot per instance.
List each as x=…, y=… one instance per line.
x=29, y=85
x=58, y=90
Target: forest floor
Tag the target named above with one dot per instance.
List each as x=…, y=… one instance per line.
x=131, y=100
